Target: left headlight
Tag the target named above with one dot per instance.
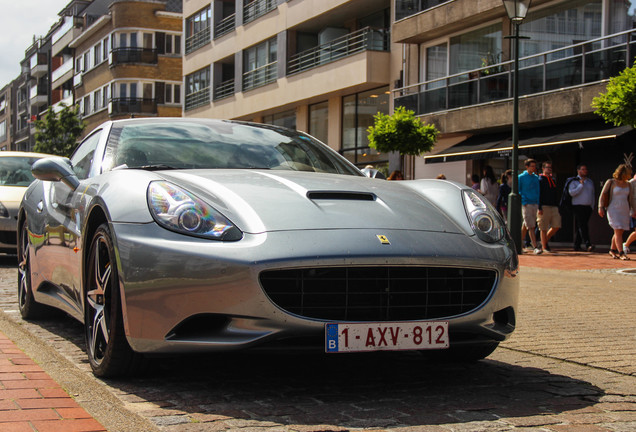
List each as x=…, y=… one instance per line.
x=178, y=210
x=483, y=217
x=3, y=211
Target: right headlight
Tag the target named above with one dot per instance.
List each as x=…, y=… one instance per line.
x=483, y=218
x=178, y=210
x=3, y=211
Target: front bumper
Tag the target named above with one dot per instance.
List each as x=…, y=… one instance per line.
x=183, y=294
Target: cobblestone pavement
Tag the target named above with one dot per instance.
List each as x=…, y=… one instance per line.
x=570, y=366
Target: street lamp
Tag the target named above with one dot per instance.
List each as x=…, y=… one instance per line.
x=517, y=10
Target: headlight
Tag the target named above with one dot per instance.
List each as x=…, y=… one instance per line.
x=178, y=210
x=3, y=211
x=483, y=217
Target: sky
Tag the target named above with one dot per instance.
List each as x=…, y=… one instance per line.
x=19, y=21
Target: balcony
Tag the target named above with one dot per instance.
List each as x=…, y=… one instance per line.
x=60, y=72
x=260, y=76
x=257, y=8
x=133, y=55
x=197, y=40
x=573, y=66
x=118, y=106
x=223, y=90
x=406, y=8
x=39, y=94
x=197, y=99
x=77, y=80
x=362, y=40
x=225, y=26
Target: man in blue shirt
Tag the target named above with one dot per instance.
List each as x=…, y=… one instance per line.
x=582, y=192
x=529, y=191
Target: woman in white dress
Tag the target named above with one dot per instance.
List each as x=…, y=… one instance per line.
x=488, y=185
x=619, y=201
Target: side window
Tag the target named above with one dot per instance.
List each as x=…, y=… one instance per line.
x=82, y=159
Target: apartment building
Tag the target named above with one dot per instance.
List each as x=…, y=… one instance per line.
x=127, y=60
x=321, y=66
x=6, y=123
x=457, y=74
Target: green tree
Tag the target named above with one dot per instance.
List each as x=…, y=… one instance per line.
x=57, y=133
x=618, y=104
x=401, y=132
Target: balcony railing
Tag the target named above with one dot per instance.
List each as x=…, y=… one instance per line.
x=257, y=8
x=225, y=26
x=133, y=106
x=223, y=90
x=134, y=55
x=575, y=65
x=366, y=39
x=197, y=99
x=197, y=40
x=406, y=8
x=260, y=76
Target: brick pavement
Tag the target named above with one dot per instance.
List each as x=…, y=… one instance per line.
x=31, y=401
x=571, y=366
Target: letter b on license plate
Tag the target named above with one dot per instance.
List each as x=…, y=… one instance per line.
x=388, y=336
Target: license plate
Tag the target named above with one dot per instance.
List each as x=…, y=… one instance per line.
x=386, y=336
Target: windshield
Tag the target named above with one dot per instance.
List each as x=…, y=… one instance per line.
x=199, y=144
x=16, y=170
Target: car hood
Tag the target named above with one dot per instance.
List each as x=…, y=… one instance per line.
x=259, y=201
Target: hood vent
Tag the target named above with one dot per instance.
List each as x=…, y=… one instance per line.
x=336, y=195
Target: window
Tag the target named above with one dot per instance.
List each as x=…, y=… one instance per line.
x=133, y=40
x=197, y=88
x=173, y=44
x=358, y=111
x=78, y=65
x=3, y=130
x=97, y=100
x=147, y=37
x=259, y=64
x=97, y=54
x=86, y=108
x=105, y=96
x=319, y=121
x=105, y=48
x=285, y=119
x=173, y=93
x=471, y=50
x=3, y=104
x=83, y=156
x=87, y=61
x=198, y=22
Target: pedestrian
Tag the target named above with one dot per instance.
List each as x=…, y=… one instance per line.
x=632, y=237
x=488, y=185
x=619, y=202
x=549, y=218
x=581, y=190
x=396, y=175
x=529, y=190
x=475, y=180
x=504, y=191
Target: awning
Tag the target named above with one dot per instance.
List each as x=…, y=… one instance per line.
x=497, y=145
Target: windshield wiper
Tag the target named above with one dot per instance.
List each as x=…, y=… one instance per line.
x=156, y=167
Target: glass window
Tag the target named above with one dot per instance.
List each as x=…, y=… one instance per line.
x=3, y=130
x=83, y=156
x=147, y=40
x=97, y=54
x=168, y=98
x=97, y=100
x=471, y=50
x=198, y=81
x=133, y=40
x=560, y=26
x=319, y=121
x=436, y=61
x=105, y=48
x=285, y=119
x=198, y=22
x=358, y=112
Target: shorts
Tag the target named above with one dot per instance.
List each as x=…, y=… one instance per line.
x=551, y=218
x=529, y=214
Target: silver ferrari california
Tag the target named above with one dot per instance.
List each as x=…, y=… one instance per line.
x=190, y=235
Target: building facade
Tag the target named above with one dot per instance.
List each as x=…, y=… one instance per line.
x=6, y=123
x=457, y=73
x=321, y=66
x=127, y=61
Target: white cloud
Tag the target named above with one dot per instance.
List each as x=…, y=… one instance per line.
x=20, y=20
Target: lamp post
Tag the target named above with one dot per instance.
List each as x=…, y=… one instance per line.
x=517, y=10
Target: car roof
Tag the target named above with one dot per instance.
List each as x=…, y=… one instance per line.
x=23, y=154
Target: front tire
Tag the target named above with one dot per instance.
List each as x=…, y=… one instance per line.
x=109, y=353
x=29, y=308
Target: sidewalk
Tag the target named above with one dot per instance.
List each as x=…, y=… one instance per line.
x=31, y=401
x=567, y=259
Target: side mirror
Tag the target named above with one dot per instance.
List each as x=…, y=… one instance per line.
x=55, y=169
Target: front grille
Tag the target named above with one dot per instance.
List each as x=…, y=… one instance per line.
x=378, y=293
